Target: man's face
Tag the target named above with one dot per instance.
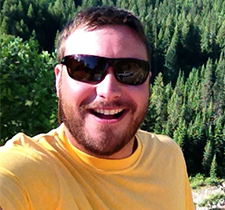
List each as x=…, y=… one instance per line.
x=102, y=118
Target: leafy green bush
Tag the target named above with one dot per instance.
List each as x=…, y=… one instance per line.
x=28, y=101
x=200, y=180
x=197, y=181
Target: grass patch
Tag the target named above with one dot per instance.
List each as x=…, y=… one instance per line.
x=210, y=201
x=200, y=181
x=197, y=181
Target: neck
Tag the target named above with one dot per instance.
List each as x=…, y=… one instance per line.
x=125, y=152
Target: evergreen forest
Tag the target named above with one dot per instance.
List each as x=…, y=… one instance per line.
x=188, y=64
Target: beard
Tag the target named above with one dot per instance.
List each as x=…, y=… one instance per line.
x=104, y=140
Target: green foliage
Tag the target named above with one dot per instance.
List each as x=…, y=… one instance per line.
x=21, y=18
x=188, y=64
x=197, y=181
x=207, y=156
x=200, y=180
x=182, y=113
x=28, y=102
x=213, y=168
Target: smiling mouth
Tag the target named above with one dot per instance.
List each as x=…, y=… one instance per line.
x=108, y=114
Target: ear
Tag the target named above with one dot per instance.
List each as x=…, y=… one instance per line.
x=58, y=75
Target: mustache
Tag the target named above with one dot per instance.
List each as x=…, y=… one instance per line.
x=106, y=104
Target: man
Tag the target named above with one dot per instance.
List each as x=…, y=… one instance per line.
x=97, y=158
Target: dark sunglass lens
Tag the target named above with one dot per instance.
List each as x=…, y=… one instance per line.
x=77, y=69
x=99, y=69
x=131, y=71
x=85, y=68
x=88, y=68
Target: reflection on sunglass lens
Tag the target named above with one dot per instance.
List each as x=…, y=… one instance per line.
x=88, y=68
x=131, y=72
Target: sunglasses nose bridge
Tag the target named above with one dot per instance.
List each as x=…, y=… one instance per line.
x=111, y=63
x=108, y=63
x=109, y=87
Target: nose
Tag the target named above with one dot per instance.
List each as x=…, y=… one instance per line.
x=109, y=88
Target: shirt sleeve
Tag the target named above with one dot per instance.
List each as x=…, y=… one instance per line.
x=13, y=195
x=27, y=179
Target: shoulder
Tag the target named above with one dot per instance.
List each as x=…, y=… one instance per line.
x=159, y=139
x=41, y=142
x=23, y=151
x=24, y=156
x=26, y=168
x=159, y=144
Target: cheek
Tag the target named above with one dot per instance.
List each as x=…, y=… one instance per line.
x=140, y=94
x=76, y=92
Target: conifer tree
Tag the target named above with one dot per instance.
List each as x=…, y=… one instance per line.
x=171, y=61
x=194, y=147
x=30, y=12
x=218, y=87
x=58, y=8
x=207, y=157
x=157, y=104
x=180, y=133
x=142, y=6
x=207, y=83
x=108, y=2
x=166, y=124
x=134, y=7
x=213, y=168
x=219, y=143
x=4, y=25
x=175, y=104
x=193, y=89
x=20, y=7
x=220, y=39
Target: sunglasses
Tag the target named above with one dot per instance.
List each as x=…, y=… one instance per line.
x=92, y=69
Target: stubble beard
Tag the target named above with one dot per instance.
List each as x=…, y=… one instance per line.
x=105, y=142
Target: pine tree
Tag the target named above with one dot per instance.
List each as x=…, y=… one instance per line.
x=207, y=83
x=207, y=157
x=213, y=168
x=220, y=39
x=175, y=103
x=108, y=2
x=134, y=7
x=171, y=61
x=20, y=7
x=168, y=32
x=4, y=25
x=30, y=12
x=58, y=8
x=142, y=7
x=219, y=143
x=194, y=148
x=193, y=94
x=157, y=103
x=180, y=133
x=218, y=88
x=166, y=123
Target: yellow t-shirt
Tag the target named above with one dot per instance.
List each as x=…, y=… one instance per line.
x=47, y=173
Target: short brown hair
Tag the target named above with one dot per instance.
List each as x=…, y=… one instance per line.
x=95, y=17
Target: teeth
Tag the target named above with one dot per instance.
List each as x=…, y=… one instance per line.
x=108, y=112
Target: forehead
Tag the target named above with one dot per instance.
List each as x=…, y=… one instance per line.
x=107, y=41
